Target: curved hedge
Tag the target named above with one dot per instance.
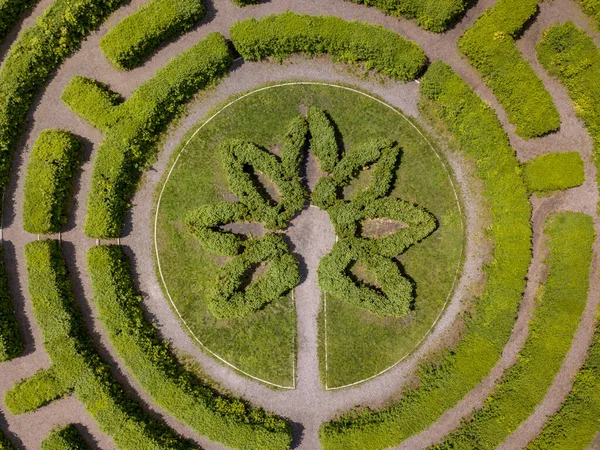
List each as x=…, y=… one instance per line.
x=132, y=128
x=489, y=322
x=559, y=306
x=76, y=366
x=11, y=344
x=49, y=181
x=64, y=438
x=490, y=47
x=220, y=418
x=554, y=172
x=10, y=10
x=374, y=47
x=34, y=56
x=134, y=38
x=432, y=15
x=592, y=8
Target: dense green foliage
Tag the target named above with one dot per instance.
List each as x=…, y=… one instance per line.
x=134, y=38
x=490, y=47
x=133, y=127
x=64, y=438
x=432, y=15
x=554, y=172
x=35, y=55
x=559, y=306
x=245, y=2
x=10, y=10
x=151, y=361
x=489, y=322
x=5, y=444
x=76, y=365
x=49, y=181
x=11, y=344
x=592, y=7
x=374, y=47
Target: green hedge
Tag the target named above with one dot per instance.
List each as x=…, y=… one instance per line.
x=11, y=344
x=35, y=56
x=76, y=366
x=559, y=306
x=223, y=419
x=489, y=322
x=432, y=15
x=372, y=46
x=554, y=172
x=133, y=39
x=132, y=128
x=246, y=2
x=49, y=181
x=64, y=438
x=5, y=444
x=10, y=10
x=592, y=7
x=490, y=47
x=570, y=55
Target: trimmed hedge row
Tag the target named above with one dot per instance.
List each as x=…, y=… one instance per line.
x=49, y=181
x=10, y=10
x=570, y=55
x=133, y=39
x=11, y=344
x=432, y=15
x=490, y=321
x=220, y=418
x=64, y=438
x=592, y=8
x=34, y=56
x=246, y=2
x=554, y=172
x=561, y=302
x=490, y=47
x=376, y=48
x=76, y=366
x=133, y=127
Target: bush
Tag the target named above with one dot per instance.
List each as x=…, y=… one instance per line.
x=76, y=366
x=5, y=444
x=64, y=438
x=376, y=48
x=592, y=7
x=34, y=56
x=133, y=127
x=554, y=172
x=490, y=320
x=323, y=143
x=49, y=181
x=246, y=2
x=10, y=10
x=134, y=38
x=432, y=15
x=11, y=344
x=561, y=302
x=490, y=47
x=227, y=420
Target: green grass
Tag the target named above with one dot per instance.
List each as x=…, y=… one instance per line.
x=554, y=172
x=559, y=305
x=263, y=343
x=64, y=438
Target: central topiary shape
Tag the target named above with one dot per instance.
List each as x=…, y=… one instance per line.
x=238, y=291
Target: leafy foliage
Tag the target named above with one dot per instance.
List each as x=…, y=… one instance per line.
x=10, y=10
x=76, y=366
x=150, y=359
x=5, y=444
x=558, y=310
x=376, y=48
x=489, y=323
x=554, y=172
x=245, y=2
x=11, y=344
x=490, y=47
x=49, y=181
x=592, y=7
x=134, y=38
x=64, y=438
x=133, y=127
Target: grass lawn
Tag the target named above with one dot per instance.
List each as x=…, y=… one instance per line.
x=359, y=343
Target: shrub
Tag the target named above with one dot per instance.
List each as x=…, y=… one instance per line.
x=11, y=344
x=10, y=10
x=5, y=444
x=490, y=47
x=64, y=438
x=490, y=320
x=246, y=2
x=592, y=7
x=561, y=302
x=134, y=38
x=223, y=419
x=133, y=127
x=49, y=181
x=76, y=366
x=432, y=15
x=323, y=143
x=554, y=172
x=34, y=56
x=284, y=34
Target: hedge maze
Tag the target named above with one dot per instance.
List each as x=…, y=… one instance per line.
x=202, y=265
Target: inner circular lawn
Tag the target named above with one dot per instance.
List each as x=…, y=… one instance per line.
x=354, y=344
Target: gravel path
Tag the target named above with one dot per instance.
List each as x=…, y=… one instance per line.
x=308, y=405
